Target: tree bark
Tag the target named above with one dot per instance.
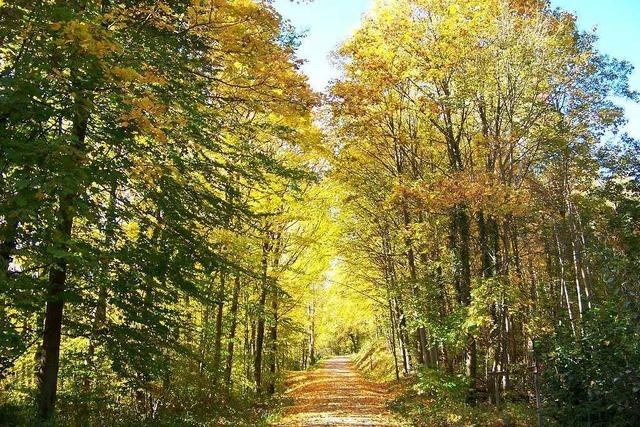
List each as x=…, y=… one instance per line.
x=393, y=341
x=100, y=315
x=312, y=334
x=564, y=291
x=423, y=351
x=232, y=334
x=264, y=288
x=274, y=342
x=8, y=247
x=403, y=336
x=460, y=242
x=50, y=361
x=217, y=346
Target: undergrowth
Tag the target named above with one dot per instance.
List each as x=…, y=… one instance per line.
x=434, y=398
x=375, y=361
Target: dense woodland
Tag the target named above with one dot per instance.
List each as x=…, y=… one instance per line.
x=183, y=220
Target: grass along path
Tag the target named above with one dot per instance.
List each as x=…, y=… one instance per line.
x=336, y=394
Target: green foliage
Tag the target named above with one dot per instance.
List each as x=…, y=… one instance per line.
x=596, y=379
x=435, y=384
x=437, y=399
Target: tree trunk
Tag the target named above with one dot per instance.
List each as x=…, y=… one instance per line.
x=50, y=361
x=536, y=384
x=460, y=242
x=274, y=342
x=403, y=337
x=578, y=265
x=312, y=335
x=423, y=351
x=393, y=341
x=273, y=333
x=232, y=334
x=563, y=283
x=100, y=315
x=257, y=366
x=217, y=349
x=7, y=247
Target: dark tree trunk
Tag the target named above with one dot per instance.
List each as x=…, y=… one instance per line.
x=488, y=239
x=217, y=346
x=423, y=351
x=274, y=343
x=50, y=361
x=7, y=247
x=460, y=242
x=273, y=285
x=232, y=334
x=257, y=365
x=393, y=341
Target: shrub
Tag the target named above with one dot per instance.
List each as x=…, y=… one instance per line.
x=595, y=380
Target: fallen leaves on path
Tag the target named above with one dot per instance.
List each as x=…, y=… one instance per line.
x=335, y=394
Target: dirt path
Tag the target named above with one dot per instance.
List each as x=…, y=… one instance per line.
x=335, y=394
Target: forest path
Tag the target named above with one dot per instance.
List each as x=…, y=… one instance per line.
x=336, y=394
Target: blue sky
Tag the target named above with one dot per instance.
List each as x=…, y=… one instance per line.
x=328, y=22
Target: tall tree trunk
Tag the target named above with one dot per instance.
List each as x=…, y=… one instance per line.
x=232, y=334
x=274, y=342
x=257, y=365
x=303, y=354
x=204, y=338
x=564, y=291
x=248, y=342
x=400, y=320
x=460, y=242
x=403, y=336
x=585, y=270
x=7, y=247
x=50, y=361
x=536, y=384
x=577, y=250
x=488, y=239
x=100, y=315
x=423, y=351
x=393, y=340
x=312, y=334
x=204, y=330
x=273, y=330
x=400, y=166
x=217, y=346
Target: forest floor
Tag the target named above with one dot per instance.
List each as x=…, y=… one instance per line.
x=336, y=394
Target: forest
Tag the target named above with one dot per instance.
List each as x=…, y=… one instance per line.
x=185, y=225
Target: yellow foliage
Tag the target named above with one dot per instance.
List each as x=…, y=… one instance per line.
x=88, y=39
x=131, y=230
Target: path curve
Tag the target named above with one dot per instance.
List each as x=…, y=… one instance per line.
x=336, y=394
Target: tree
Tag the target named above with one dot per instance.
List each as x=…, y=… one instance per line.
x=449, y=118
